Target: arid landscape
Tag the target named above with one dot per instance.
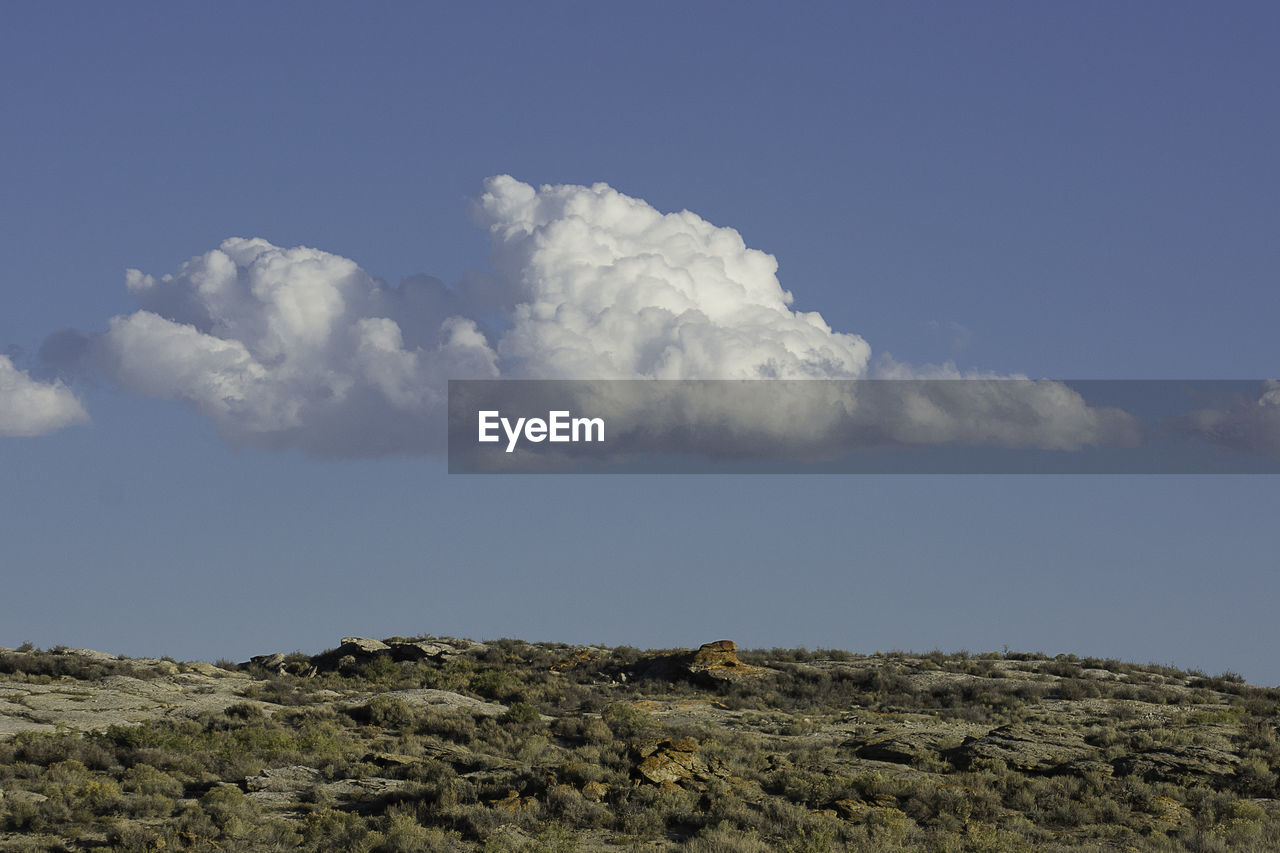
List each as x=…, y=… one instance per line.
x=435, y=743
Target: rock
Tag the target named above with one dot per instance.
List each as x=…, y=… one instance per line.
x=295, y=778
x=362, y=646
x=851, y=810
x=715, y=662
x=719, y=661
x=11, y=725
x=390, y=759
x=907, y=747
x=15, y=798
x=437, y=650
x=673, y=762
x=114, y=700
x=90, y=654
x=352, y=651
x=1028, y=747
x=667, y=761
x=711, y=655
x=462, y=758
x=273, y=662
x=414, y=651
x=208, y=670
x=359, y=790
x=279, y=801
x=856, y=811
x=1186, y=765
x=422, y=697
x=160, y=665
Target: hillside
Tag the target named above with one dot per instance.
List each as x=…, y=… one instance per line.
x=441, y=744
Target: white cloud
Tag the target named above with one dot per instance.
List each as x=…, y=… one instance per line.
x=610, y=288
x=30, y=408
x=296, y=347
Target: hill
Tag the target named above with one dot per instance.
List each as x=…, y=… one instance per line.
x=432, y=743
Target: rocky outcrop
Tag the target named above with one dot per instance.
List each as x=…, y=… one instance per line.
x=362, y=646
x=352, y=650
x=719, y=661
x=293, y=778
x=907, y=747
x=155, y=690
x=1182, y=766
x=673, y=762
x=422, y=697
x=90, y=655
x=715, y=662
x=273, y=662
x=1027, y=747
x=355, y=651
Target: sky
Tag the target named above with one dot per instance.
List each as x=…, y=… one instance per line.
x=238, y=459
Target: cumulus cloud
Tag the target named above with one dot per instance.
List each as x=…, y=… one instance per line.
x=610, y=288
x=30, y=408
x=297, y=347
x=1251, y=426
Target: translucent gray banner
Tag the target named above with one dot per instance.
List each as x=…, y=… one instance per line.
x=927, y=426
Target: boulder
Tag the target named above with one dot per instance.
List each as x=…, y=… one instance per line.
x=411, y=650
x=712, y=663
x=352, y=651
x=719, y=661
x=668, y=762
x=273, y=662
x=718, y=647
x=359, y=646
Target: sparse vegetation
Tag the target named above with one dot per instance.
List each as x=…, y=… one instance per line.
x=597, y=749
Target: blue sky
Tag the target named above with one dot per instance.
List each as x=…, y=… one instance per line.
x=1073, y=191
